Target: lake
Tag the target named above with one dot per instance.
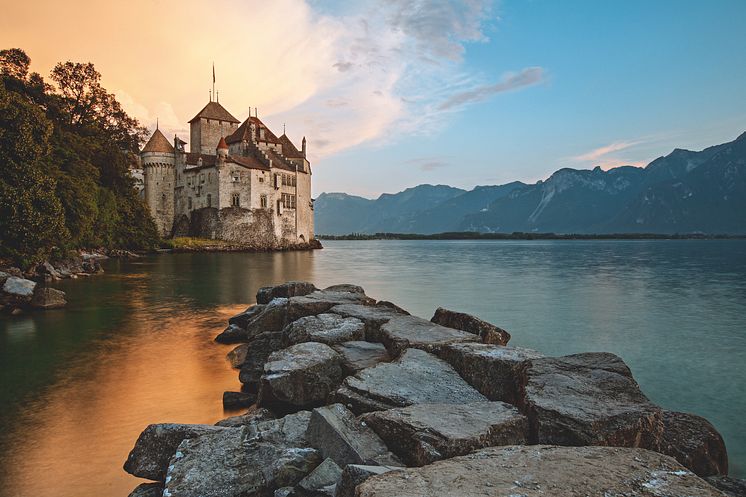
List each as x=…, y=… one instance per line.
x=135, y=344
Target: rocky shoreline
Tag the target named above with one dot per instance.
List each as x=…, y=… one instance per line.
x=350, y=396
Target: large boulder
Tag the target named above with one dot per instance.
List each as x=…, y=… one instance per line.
x=540, y=471
x=243, y=319
x=289, y=289
x=321, y=482
x=148, y=490
x=493, y=370
x=489, y=333
x=424, y=433
x=301, y=375
x=335, y=431
x=257, y=354
x=289, y=430
x=254, y=415
x=17, y=291
x=155, y=446
x=237, y=400
x=358, y=355
x=732, y=487
x=402, y=332
x=588, y=399
x=254, y=321
x=354, y=474
x=695, y=443
x=324, y=328
x=232, y=463
x=372, y=316
x=320, y=302
x=237, y=356
x=48, y=298
x=417, y=377
x=345, y=287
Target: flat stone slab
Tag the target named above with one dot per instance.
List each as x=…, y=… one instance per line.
x=335, y=431
x=322, y=301
x=324, y=328
x=424, y=433
x=402, y=332
x=157, y=444
x=372, y=316
x=354, y=474
x=695, y=443
x=417, y=377
x=588, y=399
x=251, y=417
x=487, y=332
x=357, y=355
x=301, y=375
x=491, y=369
x=543, y=471
x=289, y=430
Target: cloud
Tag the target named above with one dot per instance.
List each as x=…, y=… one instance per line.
x=527, y=77
x=607, y=156
x=428, y=163
x=600, y=152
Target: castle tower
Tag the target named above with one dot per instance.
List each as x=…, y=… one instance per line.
x=206, y=128
x=158, y=161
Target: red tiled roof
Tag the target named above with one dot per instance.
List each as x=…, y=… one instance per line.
x=243, y=132
x=222, y=145
x=249, y=162
x=214, y=110
x=207, y=160
x=158, y=143
x=288, y=149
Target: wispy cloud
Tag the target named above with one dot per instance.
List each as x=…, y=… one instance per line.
x=428, y=163
x=603, y=152
x=527, y=77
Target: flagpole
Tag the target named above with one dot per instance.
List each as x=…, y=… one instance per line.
x=213, y=78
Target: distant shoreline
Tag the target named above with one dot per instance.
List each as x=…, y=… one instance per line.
x=530, y=236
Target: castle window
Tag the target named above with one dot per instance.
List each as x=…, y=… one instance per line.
x=261, y=179
x=236, y=177
x=209, y=177
x=236, y=200
x=202, y=178
x=190, y=203
x=288, y=201
x=263, y=201
x=209, y=200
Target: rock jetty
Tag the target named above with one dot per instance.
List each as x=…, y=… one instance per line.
x=355, y=397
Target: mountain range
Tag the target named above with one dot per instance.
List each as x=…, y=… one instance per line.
x=682, y=192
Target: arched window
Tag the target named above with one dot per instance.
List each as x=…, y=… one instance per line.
x=209, y=200
x=236, y=200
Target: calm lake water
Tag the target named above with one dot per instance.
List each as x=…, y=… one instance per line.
x=135, y=344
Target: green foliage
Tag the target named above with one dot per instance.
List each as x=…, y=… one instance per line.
x=65, y=156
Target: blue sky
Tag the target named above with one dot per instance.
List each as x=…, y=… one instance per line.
x=623, y=83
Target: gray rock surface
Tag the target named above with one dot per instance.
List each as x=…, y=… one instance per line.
x=252, y=416
x=424, y=433
x=417, y=377
x=357, y=355
x=354, y=474
x=732, y=487
x=324, y=328
x=541, y=471
x=157, y=443
x=17, y=291
x=320, y=302
x=289, y=430
x=402, y=332
x=338, y=435
x=491, y=369
x=588, y=399
x=257, y=354
x=289, y=289
x=237, y=400
x=48, y=298
x=695, y=443
x=237, y=356
x=488, y=333
x=301, y=375
x=372, y=316
x=321, y=481
x=148, y=490
x=231, y=334
x=345, y=287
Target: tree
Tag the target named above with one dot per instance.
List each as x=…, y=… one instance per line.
x=15, y=63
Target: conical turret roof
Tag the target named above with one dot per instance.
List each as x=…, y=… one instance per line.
x=158, y=143
x=221, y=144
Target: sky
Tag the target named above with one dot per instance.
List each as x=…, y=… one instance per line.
x=396, y=93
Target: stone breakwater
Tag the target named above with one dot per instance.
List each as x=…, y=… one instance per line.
x=350, y=396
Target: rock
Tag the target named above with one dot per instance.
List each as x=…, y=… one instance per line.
x=243, y=319
x=254, y=321
x=324, y=328
x=237, y=400
x=46, y=268
x=491, y=369
x=155, y=446
x=345, y=288
x=695, y=443
x=257, y=355
x=285, y=492
x=289, y=289
x=237, y=356
x=338, y=435
x=357, y=356
x=320, y=302
x=533, y=471
x=301, y=375
x=402, y=332
x=231, y=334
x=354, y=474
x=732, y=487
x=321, y=481
x=424, y=433
x=17, y=291
x=48, y=298
x=252, y=416
x=289, y=430
x=385, y=304
x=231, y=463
x=372, y=316
x=489, y=333
x=415, y=378
x=3, y=276
x=587, y=399
x=148, y=490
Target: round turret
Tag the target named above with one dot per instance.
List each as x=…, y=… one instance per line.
x=158, y=163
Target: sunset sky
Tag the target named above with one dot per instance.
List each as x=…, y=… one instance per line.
x=396, y=93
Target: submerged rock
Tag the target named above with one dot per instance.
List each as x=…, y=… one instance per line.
x=335, y=431
x=354, y=474
x=357, y=356
x=402, y=332
x=489, y=333
x=301, y=375
x=415, y=378
x=157, y=443
x=534, y=471
x=695, y=443
x=588, y=399
x=289, y=289
x=324, y=328
x=425, y=433
x=48, y=298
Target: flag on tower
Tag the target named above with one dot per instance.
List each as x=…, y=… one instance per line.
x=213, y=72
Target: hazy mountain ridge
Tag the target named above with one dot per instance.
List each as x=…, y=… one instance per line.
x=682, y=192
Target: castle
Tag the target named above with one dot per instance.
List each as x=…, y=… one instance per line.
x=239, y=182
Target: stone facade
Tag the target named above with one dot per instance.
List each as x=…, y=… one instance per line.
x=238, y=183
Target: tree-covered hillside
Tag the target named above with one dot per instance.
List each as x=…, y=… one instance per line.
x=65, y=152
